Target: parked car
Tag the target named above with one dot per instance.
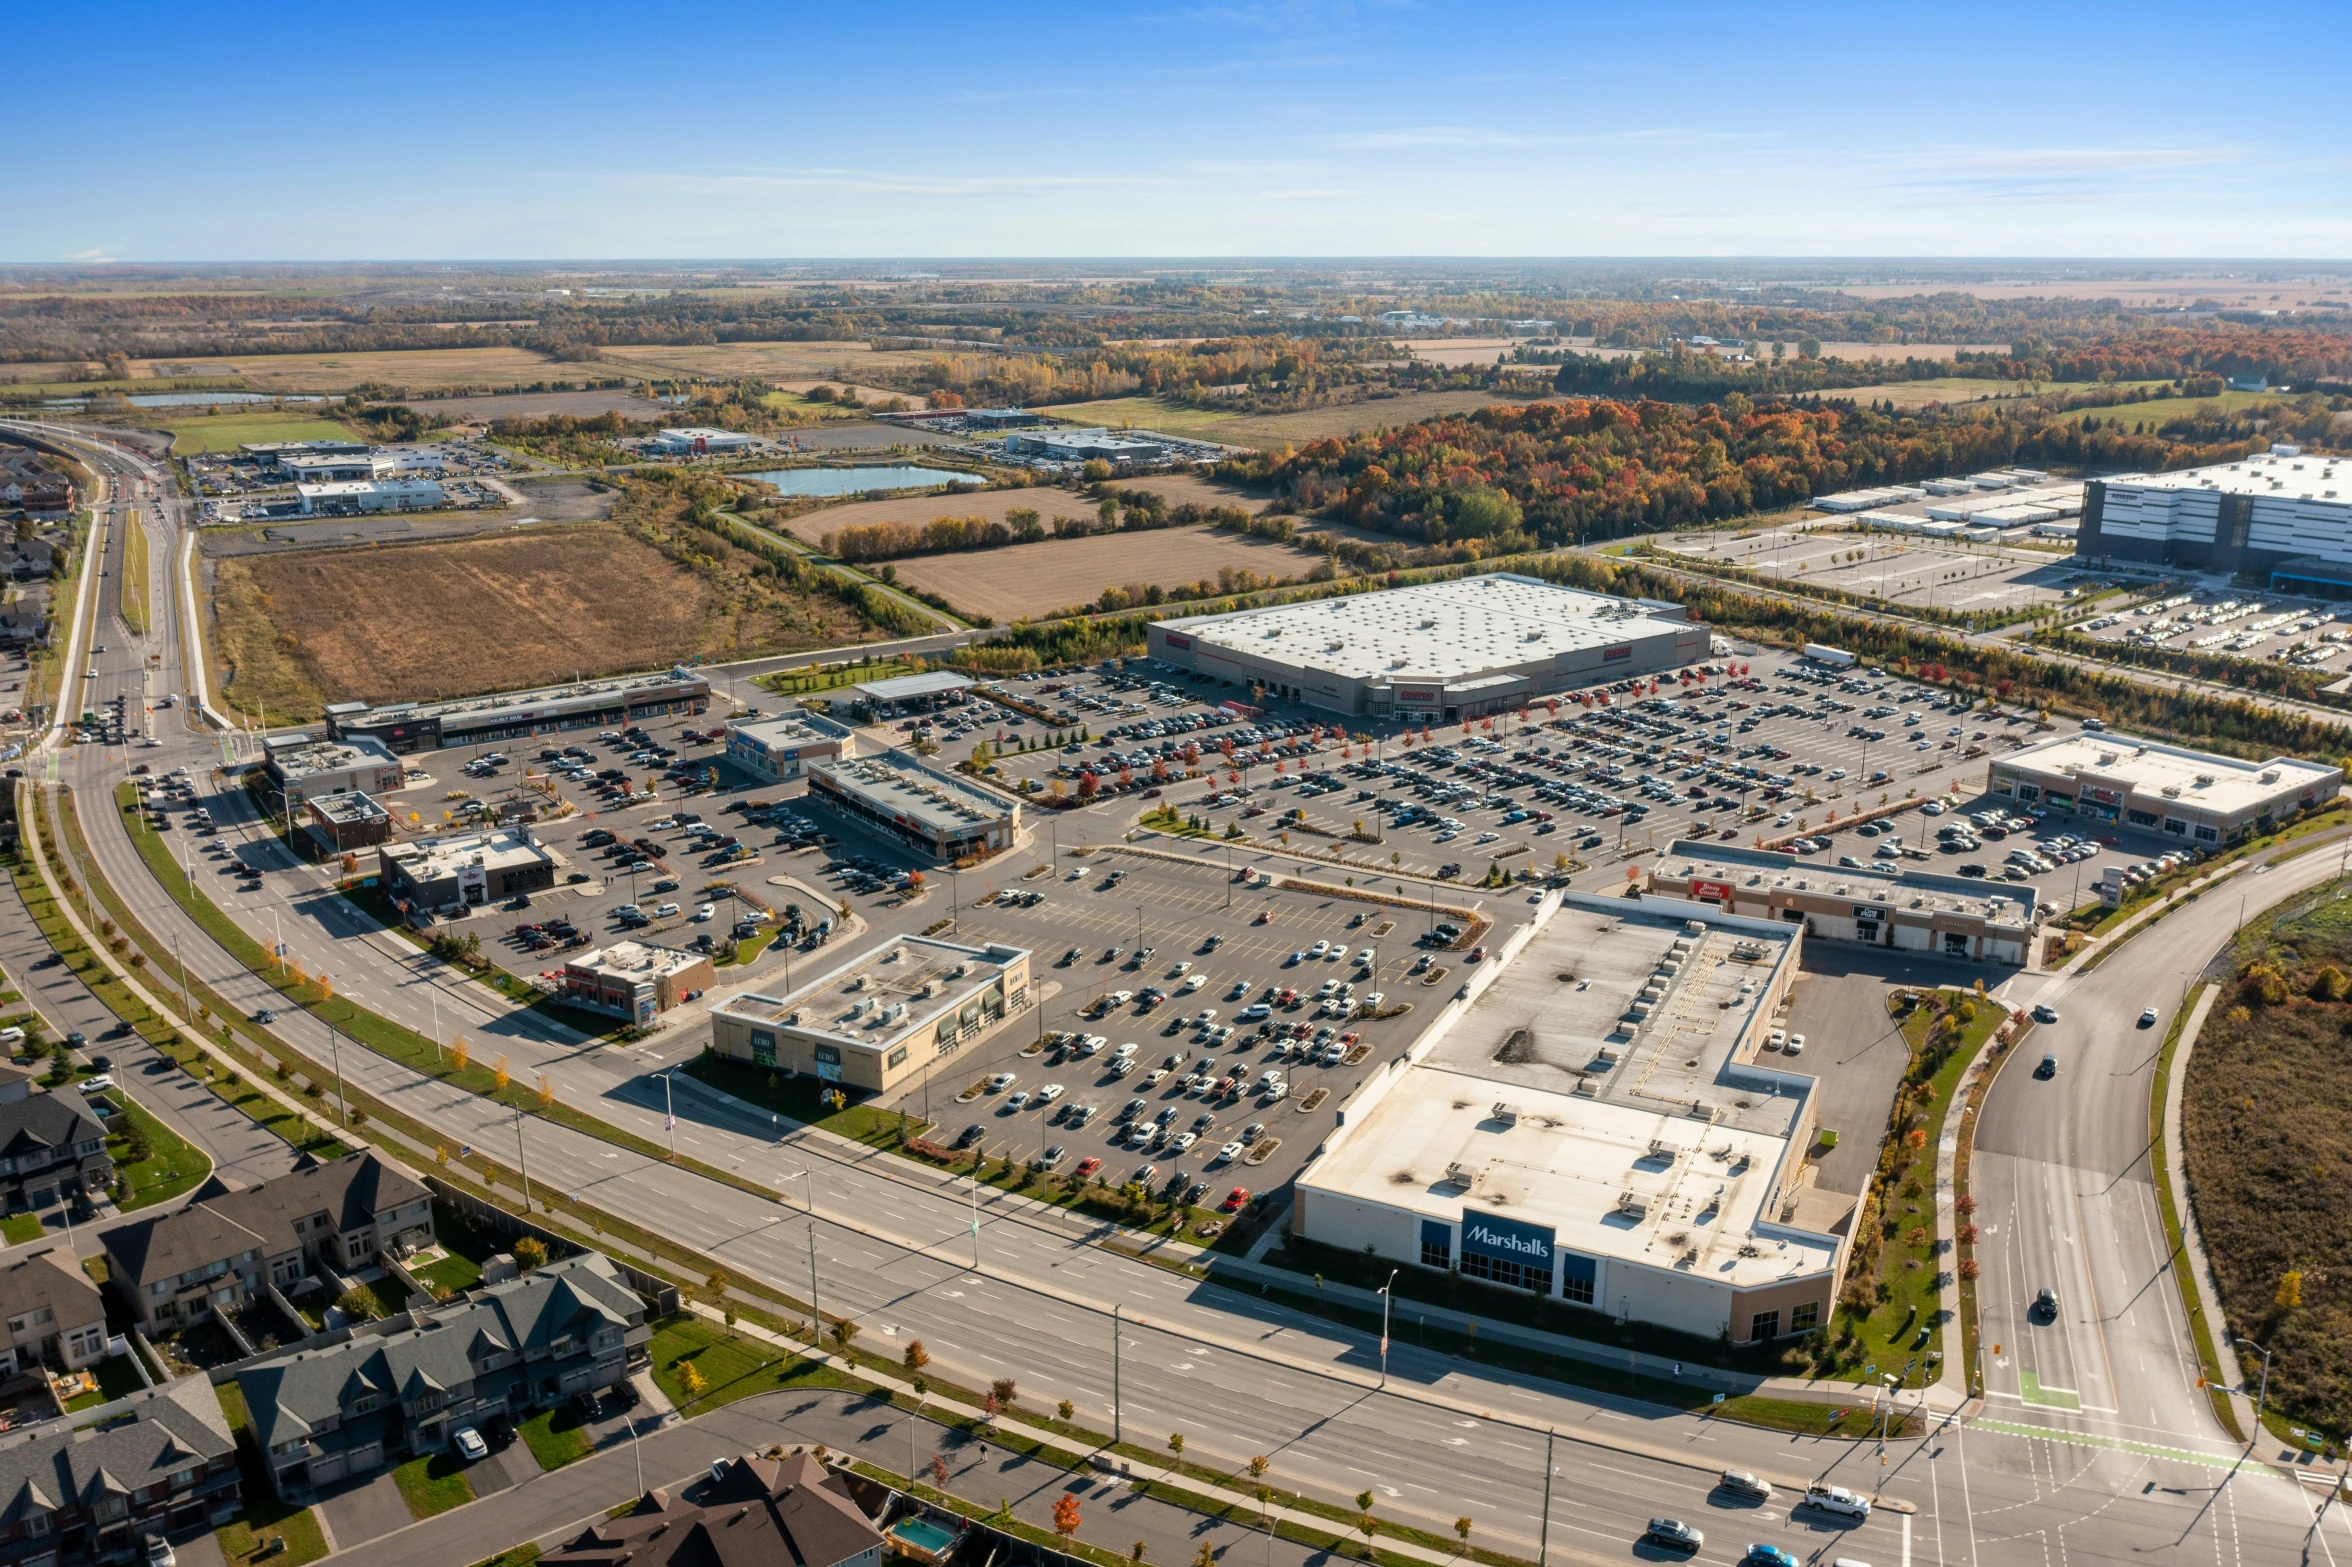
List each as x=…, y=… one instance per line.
x=1674, y=1534
x=470, y=1445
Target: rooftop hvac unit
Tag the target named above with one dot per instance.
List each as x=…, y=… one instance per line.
x=2204, y=780
x=1508, y=1114
x=2270, y=775
x=2172, y=791
x=1459, y=1174
x=1660, y=1148
x=1632, y=1204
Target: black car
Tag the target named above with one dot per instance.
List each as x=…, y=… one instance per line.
x=584, y=1405
x=971, y=1135
x=500, y=1430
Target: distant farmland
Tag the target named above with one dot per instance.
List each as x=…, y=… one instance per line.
x=1048, y=502
x=1028, y=580
x=1270, y=432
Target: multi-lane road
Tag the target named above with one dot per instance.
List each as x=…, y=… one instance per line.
x=2138, y=1472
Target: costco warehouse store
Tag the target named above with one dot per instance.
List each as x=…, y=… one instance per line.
x=1436, y=651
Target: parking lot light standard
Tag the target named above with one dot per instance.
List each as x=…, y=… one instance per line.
x=1386, y=1299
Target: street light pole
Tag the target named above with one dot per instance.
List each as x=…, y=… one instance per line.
x=522, y=1159
x=335, y=1046
x=1116, y=1311
x=1386, y=1297
x=1543, y=1538
x=669, y=1115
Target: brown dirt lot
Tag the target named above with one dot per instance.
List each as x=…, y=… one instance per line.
x=423, y=368
x=449, y=619
x=1049, y=502
x=1028, y=580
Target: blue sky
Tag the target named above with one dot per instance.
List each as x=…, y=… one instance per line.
x=190, y=132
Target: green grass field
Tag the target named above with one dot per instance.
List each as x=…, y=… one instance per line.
x=433, y=1484
x=134, y=585
x=195, y=431
x=17, y=1228
x=2165, y=409
x=729, y=1366
x=555, y=1438
x=172, y=1166
x=1143, y=412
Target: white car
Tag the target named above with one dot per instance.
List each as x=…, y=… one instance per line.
x=470, y=1445
x=1002, y=1081
x=1183, y=967
x=1182, y=1141
x=1019, y=1100
x=1192, y=984
x=664, y=911
x=1227, y=1154
x=1049, y=1093
x=1256, y=1012
x=1092, y=1044
x=1795, y=1045
x=1318, y=949
x=705, y=912
x=98, y=1084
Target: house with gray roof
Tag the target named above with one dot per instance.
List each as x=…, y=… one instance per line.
x=343, y=1409
x=96, y=1493
x=757, y=1512
x=52, y=1149
x=50, y=1314
x=224, y=1247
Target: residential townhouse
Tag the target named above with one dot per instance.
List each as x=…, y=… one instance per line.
x=52, y=1149
x=99, y=1492
x=51, y=1312
x=758, y=1512
x=222, y=1249
x=321, y=1415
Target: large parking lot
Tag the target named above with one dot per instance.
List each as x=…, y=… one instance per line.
x=1132, y=946
x=2305, y=633
x=1959, y=577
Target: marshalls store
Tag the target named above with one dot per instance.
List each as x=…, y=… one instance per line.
x=1595, y=1123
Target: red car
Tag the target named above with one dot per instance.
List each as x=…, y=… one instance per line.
x=1477, y=954
x=1235, y=1200
x=1086, y=1168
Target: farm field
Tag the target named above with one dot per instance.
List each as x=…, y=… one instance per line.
x=1029, y=580
x=1048, y=501
x=484, y=614
x=194, y=430
x=1952, y=389
x=424, y=369
x=804, y=363
x=1271, y=431
x=2156, y=413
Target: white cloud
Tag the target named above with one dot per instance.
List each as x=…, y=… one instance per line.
x=90, y=255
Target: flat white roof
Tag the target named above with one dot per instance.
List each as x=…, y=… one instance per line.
x=2219, y=783
x=2288, y=476
x=790, y=729
x=897, y=688
x=312, y=758
x=1640, y=1144
x=884, y=994
x=334, y=487
x=541, y=701
x=430, y=859
x=1435, y=631
x=634, y=960
x=1761, y=871
x=903, y=786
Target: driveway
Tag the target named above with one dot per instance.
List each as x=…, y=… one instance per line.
x=1854, y=1047
x=502, y=1470
x=364, y=1508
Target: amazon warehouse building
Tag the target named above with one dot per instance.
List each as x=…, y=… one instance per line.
x=1437, y=651
x=1599, y=1123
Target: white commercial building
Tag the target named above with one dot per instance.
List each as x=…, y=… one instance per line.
x=350, y=497
x=1084, y=446
x=336, y=468
x=1436, y=651
x=885, y=1016
x=1600, y=1123
x=778, y=749
x=2285, y=513
x=2202, y=799
x=305, y=768
x=1881, y=904
x=921, y=806
x=700, y=441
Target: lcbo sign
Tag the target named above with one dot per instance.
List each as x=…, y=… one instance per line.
x=1487, y=1236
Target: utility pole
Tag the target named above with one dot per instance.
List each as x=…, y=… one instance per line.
x=816, y=1312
